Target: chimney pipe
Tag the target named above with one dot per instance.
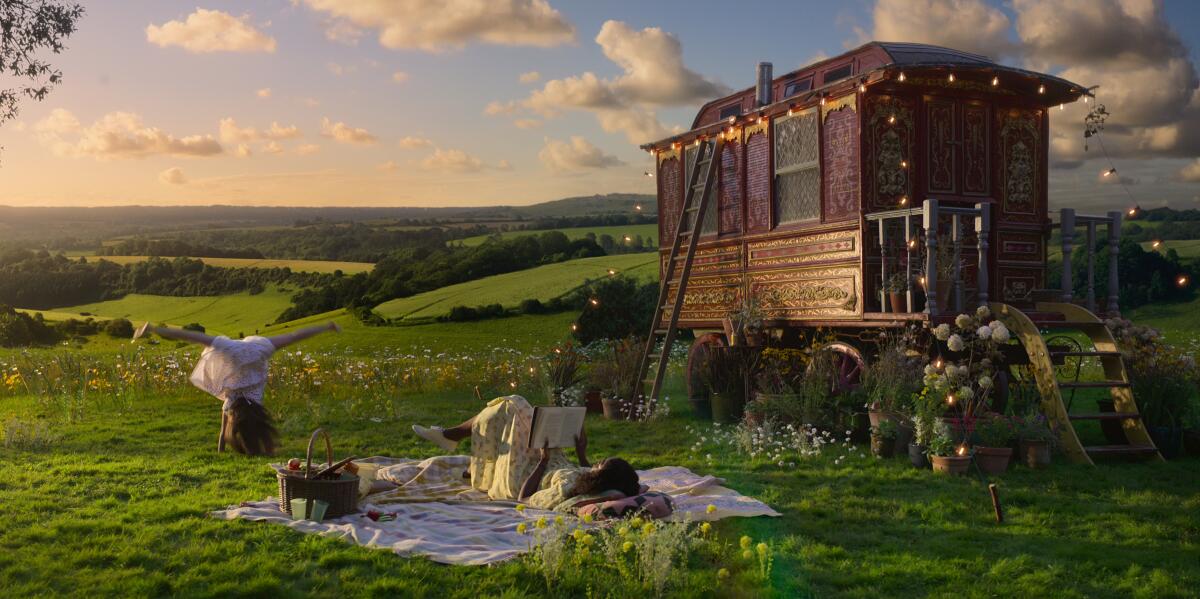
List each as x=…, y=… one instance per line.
x=763, y=95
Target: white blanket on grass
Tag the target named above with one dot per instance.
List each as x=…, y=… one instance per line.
x=440, y=517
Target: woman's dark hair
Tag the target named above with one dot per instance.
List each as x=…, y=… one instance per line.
x=613, y=473
x=249, y=428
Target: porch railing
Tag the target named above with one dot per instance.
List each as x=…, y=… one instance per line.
x=1068, y=221
x=930, y=213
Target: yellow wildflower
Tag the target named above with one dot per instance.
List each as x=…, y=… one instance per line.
x=577, y=533
x=558, y=520
x=521, y=528
x=587, y=539
x=624, y=530
x=636, y=522
x=520, y=507
x=710, y=509
x=587, y=518
x=745, y=542
x=584, y=553
x=627, y=546
x=722, y=574
x=748, y=554
x=705, y=528
x=541, y=523
x=762, y=549
x=648, y=528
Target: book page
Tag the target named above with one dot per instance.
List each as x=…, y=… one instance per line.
x=558, y=426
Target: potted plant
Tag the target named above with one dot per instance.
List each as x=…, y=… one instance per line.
x=1034, y=440
x=895, y=288
x=992, y=452
x=1163, y=379
x=615, y=374
x=727, y=372
x=890, y=380
x=926, y=418
x=744, y=326
x=562, y=370
x=883, y=439
x=947, y=457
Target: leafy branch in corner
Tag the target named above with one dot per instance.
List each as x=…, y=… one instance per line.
x=27, y=27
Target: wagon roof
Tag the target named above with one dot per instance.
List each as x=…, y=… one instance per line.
x=901, y=55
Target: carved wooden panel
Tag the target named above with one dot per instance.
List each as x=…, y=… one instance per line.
x=975, y=144
x=707, y=298
x=1018, y=282
x=841, y=160
x=730, y=198
x=813, y=292
x=1020, y=149
x=942, y=136
x=1020, y=246
x=805, y=249
x=758, y=179
x=670, y=198
x=889, y=137
x=712, y=259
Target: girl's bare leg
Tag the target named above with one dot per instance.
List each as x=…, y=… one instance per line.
x=286, y=339
x=169, y=333
x=460, y=432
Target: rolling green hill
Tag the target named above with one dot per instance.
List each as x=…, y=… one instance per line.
x=541, y=283
x=318, y=266
x=649, y=233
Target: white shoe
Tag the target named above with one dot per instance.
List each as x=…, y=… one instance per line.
x=141, y=332
x=434, y=435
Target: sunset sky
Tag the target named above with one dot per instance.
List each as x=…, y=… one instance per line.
x=473, y=102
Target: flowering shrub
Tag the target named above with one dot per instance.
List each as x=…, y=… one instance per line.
x=1164, y=378
x=963, y=380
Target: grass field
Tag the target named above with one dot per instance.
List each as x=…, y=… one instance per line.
x=649, y=233
x=222, y=314
x=319, y=266
x=541, y=283
x=132, y=486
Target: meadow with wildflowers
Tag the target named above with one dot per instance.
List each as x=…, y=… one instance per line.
x=109, y=472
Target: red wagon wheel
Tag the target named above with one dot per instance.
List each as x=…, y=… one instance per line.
x=847, y=366
x=696, y=356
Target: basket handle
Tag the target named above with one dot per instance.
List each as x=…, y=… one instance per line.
x=328, y=451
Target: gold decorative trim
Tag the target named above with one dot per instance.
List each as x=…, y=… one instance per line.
x=762, y=125
x=666, y=155
x=810, y=292
x=847, y=101
x=820, y=247
x=976, y=86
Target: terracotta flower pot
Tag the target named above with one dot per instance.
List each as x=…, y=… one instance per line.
x=591, y=400
x=727, y=407
x=993, y=460
x=904, y=435
x=916, y=455
x=952, y=465
x=1035, y=454
x=615, y=408
x=883, y=447
x=896, y=301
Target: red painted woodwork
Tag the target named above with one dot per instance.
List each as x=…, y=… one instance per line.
x=729, y=202
x=758, y=182
x=888, y=147
x=670, y=198
x=839, y=162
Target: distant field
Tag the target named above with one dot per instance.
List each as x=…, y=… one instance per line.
x=649, y=233
x=542, y=283
x=224, y=314
x=1188, y=249
x=320, y=266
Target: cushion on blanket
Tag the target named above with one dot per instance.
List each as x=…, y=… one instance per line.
x=652, y=505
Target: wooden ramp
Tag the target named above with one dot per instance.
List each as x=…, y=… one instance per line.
x=1042, y=363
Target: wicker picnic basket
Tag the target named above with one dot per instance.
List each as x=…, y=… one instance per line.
x=340, y=491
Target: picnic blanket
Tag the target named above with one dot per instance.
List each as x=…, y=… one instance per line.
x=438, y=514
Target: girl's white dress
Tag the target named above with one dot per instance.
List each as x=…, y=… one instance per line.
x=233, y=368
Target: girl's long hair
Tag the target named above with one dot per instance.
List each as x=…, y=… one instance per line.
x=613, y=473
x=250, y=429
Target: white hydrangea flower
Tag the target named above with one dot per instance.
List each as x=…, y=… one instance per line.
x=982, y=312
x=942, y=332
x=995, y=323
x=955, y=343
x=984, y=332
x=962, y=321
x=985, y=381
x=1000, y=335
x=965, y=393
x=929, y=370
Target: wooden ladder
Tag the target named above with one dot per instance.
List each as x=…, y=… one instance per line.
x=691, y=221
x=1041, y=362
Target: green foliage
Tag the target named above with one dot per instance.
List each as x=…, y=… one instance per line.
x=614, y=371
x=886, y=429
x=1164, y=378
x=31, y=27
x=994, y=431
x=622, y=306
x=173, y=248
x=119, y=328
x=1145, y=277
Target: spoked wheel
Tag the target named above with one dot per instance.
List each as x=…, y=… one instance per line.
x=847, y=364
x=696, y=357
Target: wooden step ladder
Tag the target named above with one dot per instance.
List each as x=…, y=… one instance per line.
x=702, y=182
x=1041, y=362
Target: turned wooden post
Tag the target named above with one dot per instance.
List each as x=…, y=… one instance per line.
x=956, y=238
x=883, y=260
x=930, y=223
x=1114, y=250
x=1066, y=225
x=908, y=237
x=1091, y=266
x=983, y=226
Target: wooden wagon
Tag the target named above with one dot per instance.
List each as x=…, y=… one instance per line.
x=814, y=190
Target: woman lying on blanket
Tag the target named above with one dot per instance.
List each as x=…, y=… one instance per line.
x=235, y=372
x=506, y=469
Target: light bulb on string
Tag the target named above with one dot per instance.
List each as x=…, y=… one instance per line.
x=903, y=164
x=921, y=282
x=962, y=450
x=862, y=88
x=951, y=78
x=1133, y=212
x=1062, y=106
x=912, y=243
x=574, y=327
x=1154, y=245
x=1182, y=281
x=1111, y=171
x=638, y=207
x=901, y=77
x=891, y=119
x=950, y=399
x=903, y=200
x=996, y=81
x=1042, y=88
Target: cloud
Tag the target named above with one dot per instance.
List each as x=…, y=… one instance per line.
x=172, y=176
x=272, y=148
x=338, y=69
x=1090, y=31
x=576, y=155
x=388, y=167
x=308, y=149
x=211, y=31
x=969, y=25
x=527, y=123
x=343, y=32
x=399, y=76
x=263, y=93
x=414, y=143
x=230, y=132
x=310, y=102
x=452, y=161
x=118, y=135
x=653, y=75
x=243, y=151
x=530, y=77
x=436, y=26
x=343, y=133
x=1191, y=172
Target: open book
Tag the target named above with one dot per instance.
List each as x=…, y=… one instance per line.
x=558, y=426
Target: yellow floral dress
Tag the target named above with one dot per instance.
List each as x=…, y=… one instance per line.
x=501, y=459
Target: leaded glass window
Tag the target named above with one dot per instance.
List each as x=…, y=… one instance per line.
x=797, y=168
